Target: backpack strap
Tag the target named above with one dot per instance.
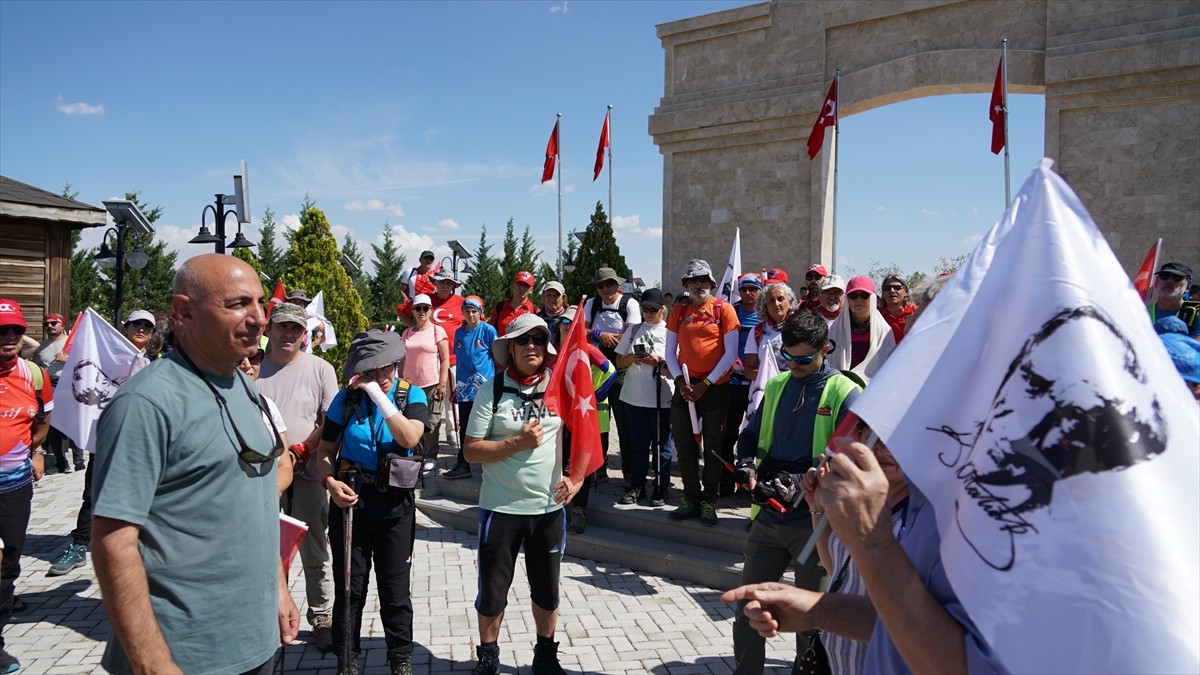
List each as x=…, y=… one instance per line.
x=499, y=388
x=36, y=379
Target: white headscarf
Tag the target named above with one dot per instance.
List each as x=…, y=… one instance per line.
x=881, y=346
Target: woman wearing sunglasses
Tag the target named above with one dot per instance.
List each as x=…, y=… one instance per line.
x=895, y=306
x=427, y=365
x=375, y=418
x=862, y=338
x=775, y=304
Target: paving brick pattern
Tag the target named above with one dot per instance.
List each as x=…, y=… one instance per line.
x=614, y=620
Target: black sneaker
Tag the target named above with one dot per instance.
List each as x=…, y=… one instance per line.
x=684, y=511
x=459, y=471
x=545, y=659
x=400, y=665
x=633, y=495
x=8, y=663
x=488, y=660
x=659, y=498
x=578, y=522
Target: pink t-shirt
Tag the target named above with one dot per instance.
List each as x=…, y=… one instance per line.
x=421, y=354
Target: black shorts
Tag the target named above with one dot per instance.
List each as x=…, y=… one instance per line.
x=500, y=538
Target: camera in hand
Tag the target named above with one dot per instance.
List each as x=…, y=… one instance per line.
x=639, y=349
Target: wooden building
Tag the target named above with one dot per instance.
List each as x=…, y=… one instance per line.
x=35, y=248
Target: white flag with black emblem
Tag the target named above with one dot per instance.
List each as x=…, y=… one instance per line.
x=1035, y=407
x=733, y=270
x=101, y=360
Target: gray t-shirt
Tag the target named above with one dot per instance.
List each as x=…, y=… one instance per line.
x=167, y=461
x=302, y=389
x=45, y=353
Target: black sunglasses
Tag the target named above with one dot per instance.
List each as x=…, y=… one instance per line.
x=858, y=295
x=247, y=454
x=813, y=275
x=893, y=287
x=800, y=360
x=606, y=283
x=538, y=339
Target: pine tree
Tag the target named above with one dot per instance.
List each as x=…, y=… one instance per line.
x=384, y=286
x=486, y=275
x=270, y=255
x=599, y=249
x=314, y=265
x=352, y=253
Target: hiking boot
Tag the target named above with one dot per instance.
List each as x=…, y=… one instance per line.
x=659, y=498
x=348, y=669
x=459, y=471
x=8, y=663
x=633, y=495
x=75, y=556
x=400, y=665
x=79, y=466
x=488, y=660
x=684, y=511
x=578, y=520
x=322, y=633
x=708, y=514
x=545, y=659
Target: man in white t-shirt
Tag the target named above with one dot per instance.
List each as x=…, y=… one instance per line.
x=303, y=386
x=606, y=316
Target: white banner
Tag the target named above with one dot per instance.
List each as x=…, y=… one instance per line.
x=733, y=270
x=316, y=317
x=1034, y=405
x=767, y=368
x=101, y=359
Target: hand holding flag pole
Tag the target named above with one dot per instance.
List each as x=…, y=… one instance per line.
x=572, y=396
x=845, y=429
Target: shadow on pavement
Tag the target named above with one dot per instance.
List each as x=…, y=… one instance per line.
x=63, y=606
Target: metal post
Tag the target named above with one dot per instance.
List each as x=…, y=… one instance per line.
x=219, y=246
x=611, y=215
x=1004, y=104
x=558, y=161
x=122, y=228
x=837, y=129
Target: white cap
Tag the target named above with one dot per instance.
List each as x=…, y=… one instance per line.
x=834, y=281
x=140, y=315
x=422, y=299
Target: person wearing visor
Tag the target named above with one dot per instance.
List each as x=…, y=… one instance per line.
x=371, y=472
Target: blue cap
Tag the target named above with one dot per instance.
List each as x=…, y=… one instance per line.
x=1170, y=324
x=750, y=279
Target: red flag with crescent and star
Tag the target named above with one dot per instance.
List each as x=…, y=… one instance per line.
x=996, y=110
x=571, y=396
x=551, y=155
x=277, y=298
x=827, y=118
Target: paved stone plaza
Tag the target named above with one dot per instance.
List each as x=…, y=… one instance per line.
x=614, y=620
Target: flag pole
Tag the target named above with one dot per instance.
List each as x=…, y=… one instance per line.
x=611, y=215
x=1004, y=95
x=837, y=129
x=558, y=158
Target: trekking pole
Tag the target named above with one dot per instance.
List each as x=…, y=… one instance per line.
x=658, y=461
x=347, y=544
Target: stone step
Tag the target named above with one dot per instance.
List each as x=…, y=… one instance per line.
x=706, y=566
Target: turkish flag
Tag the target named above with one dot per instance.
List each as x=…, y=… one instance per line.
x=1145, y=273
x=277, y=298
x=827, y=118
x=604, y=144
x=997, y=110
x=572, y=397
x=551, y=155
x=78, y=317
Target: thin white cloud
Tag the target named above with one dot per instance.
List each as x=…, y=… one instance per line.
x=973, y=239
x=930, y=212
x=549, y=188
x=559, y=9
x=443, y=225
x=290, y=221
x=374, y=205
x=632, y=225
x=78, y=108
x=881, y=207
x=975, y=210
x=626, y=222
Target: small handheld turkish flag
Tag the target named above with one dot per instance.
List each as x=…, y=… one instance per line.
x=572, y=397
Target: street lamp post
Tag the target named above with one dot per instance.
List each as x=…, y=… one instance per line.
x=127, y=217
x=240, y=201
x=460, y=253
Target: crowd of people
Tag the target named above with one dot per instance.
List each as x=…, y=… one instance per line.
x=231, y=420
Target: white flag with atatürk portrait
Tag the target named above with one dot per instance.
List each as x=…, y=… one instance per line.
x=1036, y=408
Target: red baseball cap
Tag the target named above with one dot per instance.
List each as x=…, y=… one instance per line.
x=55, y=316
x=861, y=283
x=525, y=278
x=10, y=314
x=819, y=269
x=776, y=275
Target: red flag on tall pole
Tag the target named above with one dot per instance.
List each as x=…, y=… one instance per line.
x=827, y=118
x=996, y=110
x=551, y=155
x=572, y=397
x=277, y=298
x=600, y=150
x=1145, y=275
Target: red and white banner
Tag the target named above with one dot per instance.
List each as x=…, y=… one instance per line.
x=551, y=155
x=277, y=298
x=998, y=110
x=1143, y=281
x=571, y=396
x=101, y=360
x=604, y=145
x=827, y=118
x=1057, y=445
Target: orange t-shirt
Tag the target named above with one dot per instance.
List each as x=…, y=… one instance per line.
x=18, y=406
x=701, y=331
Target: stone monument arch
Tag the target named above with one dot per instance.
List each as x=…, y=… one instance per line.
x=743, y=88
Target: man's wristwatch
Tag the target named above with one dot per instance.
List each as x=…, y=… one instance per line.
x=39, y=452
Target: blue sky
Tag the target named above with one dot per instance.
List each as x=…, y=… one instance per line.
x=432, y=118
